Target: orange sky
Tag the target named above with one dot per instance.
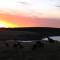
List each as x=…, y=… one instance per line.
x=21, y=21
x=29, y=13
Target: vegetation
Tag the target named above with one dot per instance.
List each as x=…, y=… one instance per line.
x=39, y=50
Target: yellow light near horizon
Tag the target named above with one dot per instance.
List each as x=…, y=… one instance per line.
x=6, y=24
x=2, y=25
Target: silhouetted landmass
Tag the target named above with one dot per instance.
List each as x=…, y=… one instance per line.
x=28, y=33
x=41, y=50
x=51, y=40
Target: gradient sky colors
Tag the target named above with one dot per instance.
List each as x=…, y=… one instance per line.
x=30, y=13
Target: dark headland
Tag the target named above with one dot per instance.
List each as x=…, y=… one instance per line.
x=28, y=33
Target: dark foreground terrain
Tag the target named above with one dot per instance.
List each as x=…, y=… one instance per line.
x=49, y=51
x=46, y=50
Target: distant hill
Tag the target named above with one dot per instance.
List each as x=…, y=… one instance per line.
x=28, y=33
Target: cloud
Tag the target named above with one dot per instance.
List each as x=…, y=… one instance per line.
x=24, y=3
x=58, y=6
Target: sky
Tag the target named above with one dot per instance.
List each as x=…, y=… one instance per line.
x=30, y=13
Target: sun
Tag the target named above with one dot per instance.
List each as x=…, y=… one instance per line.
x=4, y=24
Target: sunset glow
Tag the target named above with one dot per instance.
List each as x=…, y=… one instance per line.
x=6, y=24
x=29, y=13
x=2, y=25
